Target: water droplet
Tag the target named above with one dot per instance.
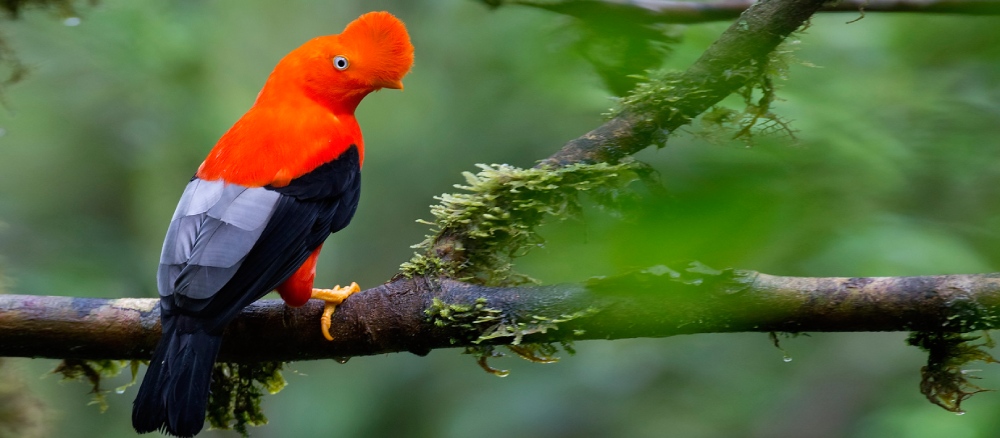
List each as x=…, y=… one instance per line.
x=71, y=21
x=342, y=360
x=120, y=390
x=960, y=413
x=787, y=358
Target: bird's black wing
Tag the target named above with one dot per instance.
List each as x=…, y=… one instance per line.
x=228, y=245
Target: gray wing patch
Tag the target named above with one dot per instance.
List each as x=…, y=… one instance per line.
x=212, y=230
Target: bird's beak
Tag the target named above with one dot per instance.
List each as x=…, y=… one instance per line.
x=389, y=83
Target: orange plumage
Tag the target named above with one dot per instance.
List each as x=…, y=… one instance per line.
x=312, y=104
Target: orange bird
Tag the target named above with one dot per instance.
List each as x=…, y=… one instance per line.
x=254, y=217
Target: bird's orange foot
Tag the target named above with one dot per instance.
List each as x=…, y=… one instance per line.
x=333, y=298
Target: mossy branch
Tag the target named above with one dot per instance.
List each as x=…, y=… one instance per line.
x=394, y=317
x=661, y=107
x=420, y=314
x=690, y=12
x=477, y=233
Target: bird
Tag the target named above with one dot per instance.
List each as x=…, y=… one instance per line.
x=254, y=217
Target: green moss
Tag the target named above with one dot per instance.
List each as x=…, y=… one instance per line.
x=477, y=234
x=537, y=352
x=758, y=94
x=237, y=390
x=943, y=381
x=92, y=371
x=535, y=324
x=469, y=318
x=653, y=94
x=483, y=326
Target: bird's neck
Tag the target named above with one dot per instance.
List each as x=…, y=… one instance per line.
x=279, y=140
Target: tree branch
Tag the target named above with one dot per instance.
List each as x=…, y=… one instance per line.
x=394, y=317
x=690, y=12
x=730, y=63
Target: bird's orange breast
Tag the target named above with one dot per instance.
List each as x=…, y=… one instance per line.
x=274, y=144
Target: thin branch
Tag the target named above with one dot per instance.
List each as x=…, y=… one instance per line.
x=690, y=12
x=726, y=66
x=393, y=317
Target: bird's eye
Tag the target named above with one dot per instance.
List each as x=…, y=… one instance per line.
x=340, y=62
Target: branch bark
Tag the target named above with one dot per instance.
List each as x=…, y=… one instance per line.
x=691, y=12
x=393, y=318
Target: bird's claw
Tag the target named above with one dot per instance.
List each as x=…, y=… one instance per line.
x=333, y=298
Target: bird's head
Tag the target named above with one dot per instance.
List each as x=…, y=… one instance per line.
x=373, y=52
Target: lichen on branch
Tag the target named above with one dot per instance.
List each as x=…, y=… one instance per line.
x=482, y=326
x=476, y=234
x=656, y=93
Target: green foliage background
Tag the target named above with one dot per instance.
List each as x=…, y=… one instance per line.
x=895, y=172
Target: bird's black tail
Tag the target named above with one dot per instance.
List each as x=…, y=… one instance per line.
x=174, y=392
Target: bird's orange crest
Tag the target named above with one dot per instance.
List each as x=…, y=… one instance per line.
x=304, y=115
